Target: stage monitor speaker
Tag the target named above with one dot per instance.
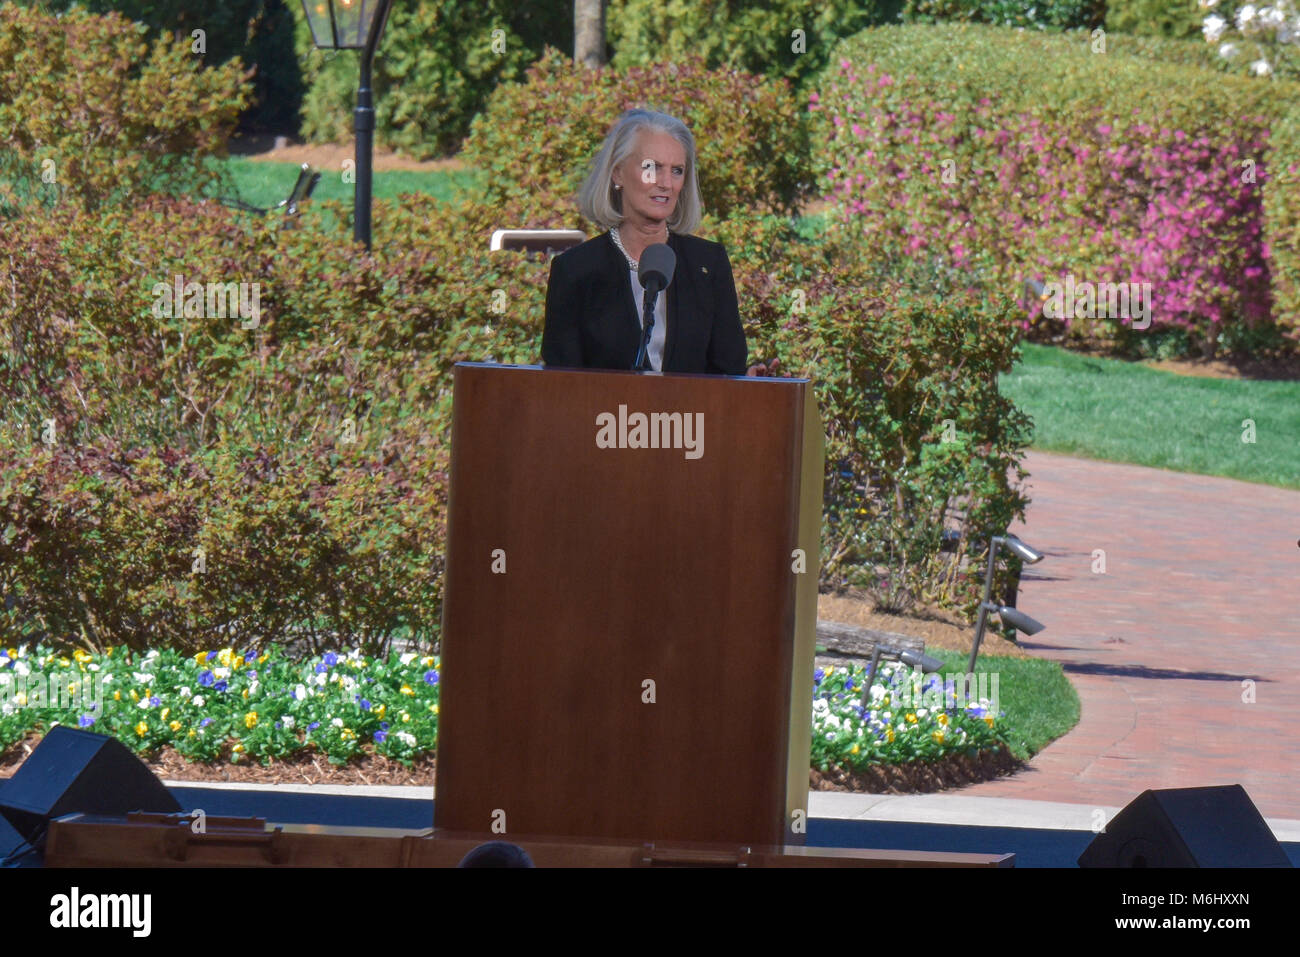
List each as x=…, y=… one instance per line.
x=76, y=771
x=1187, y=827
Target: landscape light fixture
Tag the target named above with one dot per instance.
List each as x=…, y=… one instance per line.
x=1010, y=616
x=354, y=25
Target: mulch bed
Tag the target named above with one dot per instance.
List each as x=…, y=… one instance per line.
x=310, y=768
x=919, y=777
x=375, y=769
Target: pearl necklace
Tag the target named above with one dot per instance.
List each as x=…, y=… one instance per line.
x=618, y=241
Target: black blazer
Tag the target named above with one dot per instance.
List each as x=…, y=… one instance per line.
x=592, y=321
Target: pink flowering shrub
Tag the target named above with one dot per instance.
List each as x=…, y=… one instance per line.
x=1041, y=159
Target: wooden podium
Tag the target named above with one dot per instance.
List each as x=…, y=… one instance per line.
x=630, y=605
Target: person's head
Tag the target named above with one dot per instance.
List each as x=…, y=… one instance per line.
x=497, y=854
x=646, y=167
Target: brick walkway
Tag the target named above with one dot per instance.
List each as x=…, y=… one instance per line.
x=1201, y=590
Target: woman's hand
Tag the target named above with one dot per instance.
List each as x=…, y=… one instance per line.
x=763, y=368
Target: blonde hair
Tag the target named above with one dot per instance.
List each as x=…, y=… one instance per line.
x=601, y=203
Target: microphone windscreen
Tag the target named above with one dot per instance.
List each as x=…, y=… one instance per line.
x=656, y=266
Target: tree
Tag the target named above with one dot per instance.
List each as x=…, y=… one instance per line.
x=589, y=32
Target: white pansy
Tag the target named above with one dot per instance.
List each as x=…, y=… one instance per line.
x=144, y=703
x=108, y=676
x=185, y=691
x=406, y=739
x=299, y=693
x=1261, y=68
x=4, y=660
x=199, y=701
x=407, y=658
x=221, y=673
x=833, y=721
x=288, y=721
x=877, y=693
x=1271, y=16
x=921, y=712
x=142, y=677
x=320, y=680
x=21, y=668
x=1213, y=28
x=821, y=705
x=337, y=722
x=1245, y=15
x=1228, y=51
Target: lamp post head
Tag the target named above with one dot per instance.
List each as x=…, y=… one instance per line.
x=1026, y=553
x=346, y=24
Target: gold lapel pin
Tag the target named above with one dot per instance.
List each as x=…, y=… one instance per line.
x=705, y=270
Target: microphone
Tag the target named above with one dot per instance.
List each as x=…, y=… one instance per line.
x=656, y=267
x=654, y=272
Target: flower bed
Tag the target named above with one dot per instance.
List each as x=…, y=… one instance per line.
x=227, y=705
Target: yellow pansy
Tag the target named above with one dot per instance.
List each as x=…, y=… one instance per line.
x=134, y=695
x=988, y=719
x=889, y=735
x=938, y=737
x=165, y=712
x=855, y=750
x=142, y=729
x=117, y=696
x=250, y=719
x=238, y=749
x=911, y=718
x=83, y=656
x=943, y=719
x=201, y=657
x=380, y=709
x=176, y=726
x=191, y=734
x=406, y=689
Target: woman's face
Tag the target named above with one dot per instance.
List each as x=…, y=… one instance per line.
x=652, y=177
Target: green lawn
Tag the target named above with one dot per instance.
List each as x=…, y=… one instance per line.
x=262, y=183
x=1124, y=412
x=1040, y=702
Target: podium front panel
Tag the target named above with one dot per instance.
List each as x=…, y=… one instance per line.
x=627, y=629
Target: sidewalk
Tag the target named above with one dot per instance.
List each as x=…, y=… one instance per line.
x=1200, y=597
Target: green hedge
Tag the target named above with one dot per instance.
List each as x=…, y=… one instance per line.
x=535, y=140
x=984, y=97
x=94, y=113
x=173, y=434
x=1164, y=18
x=258, y=32
x=757, y=36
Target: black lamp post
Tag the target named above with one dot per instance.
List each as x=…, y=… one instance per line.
x=1010, y=616
x=354, y=25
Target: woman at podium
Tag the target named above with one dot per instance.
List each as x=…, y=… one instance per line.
x=643, y=190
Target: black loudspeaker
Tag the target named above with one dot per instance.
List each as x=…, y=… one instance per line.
x=77, y=771
x=1187, y=827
